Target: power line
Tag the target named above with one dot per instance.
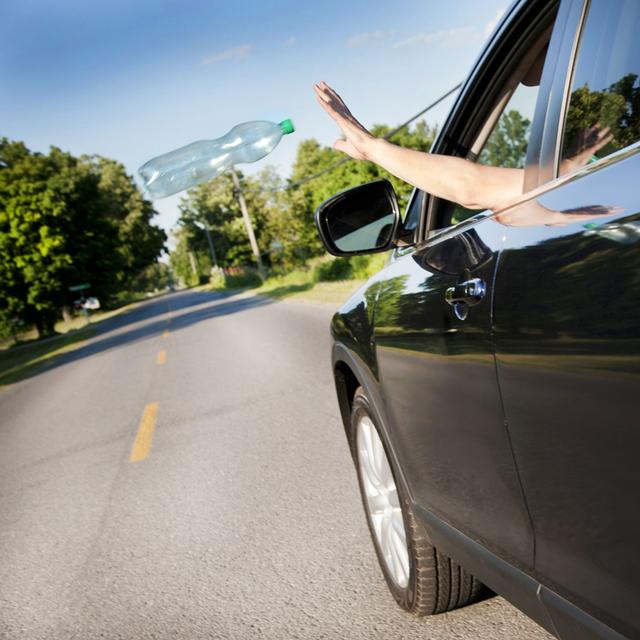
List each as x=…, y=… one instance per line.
x=389, y=135
x=420, y=113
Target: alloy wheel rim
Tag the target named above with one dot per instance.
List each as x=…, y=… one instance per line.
x=383, y=505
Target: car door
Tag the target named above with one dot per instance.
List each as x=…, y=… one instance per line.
x=438, y=375
x=433, y=317
x=566, y=323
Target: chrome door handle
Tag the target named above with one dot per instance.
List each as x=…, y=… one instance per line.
x=469, y=292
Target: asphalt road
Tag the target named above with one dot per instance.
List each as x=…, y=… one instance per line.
x=239, y=517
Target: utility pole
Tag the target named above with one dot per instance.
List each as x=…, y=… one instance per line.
x=194, y=266
x=248, y=225
x=211, y=249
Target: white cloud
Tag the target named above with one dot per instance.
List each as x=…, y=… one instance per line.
x=449, y=37
x=491, y=25
x=290, y=41
x=235, y=53
x=368, y=38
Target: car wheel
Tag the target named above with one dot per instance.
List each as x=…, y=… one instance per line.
x=422, y=580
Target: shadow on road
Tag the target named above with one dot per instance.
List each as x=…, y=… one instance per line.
x=286, y=290
x=118, y=331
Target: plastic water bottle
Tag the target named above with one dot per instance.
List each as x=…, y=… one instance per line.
x=205, y=159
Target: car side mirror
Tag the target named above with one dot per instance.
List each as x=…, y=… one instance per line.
x=360, y=220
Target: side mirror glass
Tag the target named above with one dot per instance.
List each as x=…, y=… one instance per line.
x=363, y=219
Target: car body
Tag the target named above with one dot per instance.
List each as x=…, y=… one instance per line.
x=499, y=355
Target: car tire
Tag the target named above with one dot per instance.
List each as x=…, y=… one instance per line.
x=423, y=580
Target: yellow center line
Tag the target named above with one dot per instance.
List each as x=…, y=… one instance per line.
x=162, y=357
x=165, y=333
x=142, y=444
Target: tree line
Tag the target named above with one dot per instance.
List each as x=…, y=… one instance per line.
x=282, y=211
x=66, y=221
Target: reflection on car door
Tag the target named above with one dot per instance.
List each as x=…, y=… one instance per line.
x=442, y=398
x=567, y=337
x=566, y=325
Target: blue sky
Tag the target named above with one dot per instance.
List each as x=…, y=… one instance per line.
x=132, y=79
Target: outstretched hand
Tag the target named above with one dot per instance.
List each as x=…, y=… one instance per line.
x=589, y=142
x=356, y=137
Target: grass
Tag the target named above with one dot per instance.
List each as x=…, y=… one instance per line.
x=22, y=361
x=61, y=327
x=76, y=322
x=334, y=293
x=323, y=281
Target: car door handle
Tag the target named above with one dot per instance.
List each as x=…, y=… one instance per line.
x=469, y=292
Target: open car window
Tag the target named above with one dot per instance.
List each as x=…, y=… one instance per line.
x=502, y=137
x=508, y=141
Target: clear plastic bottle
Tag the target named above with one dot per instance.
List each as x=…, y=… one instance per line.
x=205, y=159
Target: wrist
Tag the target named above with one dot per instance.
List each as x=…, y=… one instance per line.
x=373, y=149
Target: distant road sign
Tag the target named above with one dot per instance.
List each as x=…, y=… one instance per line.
x=80, y=287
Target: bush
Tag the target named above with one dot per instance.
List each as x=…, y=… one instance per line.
x=246, y=278
x=363, y=267
x=356, y=268
x=217, y=279
x=332, y=270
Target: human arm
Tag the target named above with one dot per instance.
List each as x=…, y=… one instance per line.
x=472, y=185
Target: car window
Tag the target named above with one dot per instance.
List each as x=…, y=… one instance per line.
x=503, y=139
x=604, y=105
x=500, y=134
x=508, y=141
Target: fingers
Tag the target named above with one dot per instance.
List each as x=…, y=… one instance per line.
x=320, y=93
x=328, y=94
x=607, y=140
x=338, y=117
x=595, y=138
x=592, y=211
x=324, y=105
x=332, y=104
x=323, y=90
x=602, y=141
x=325, y=102
x=356, y=135
x=340, y=145
x=604, y=133
x=331, y=92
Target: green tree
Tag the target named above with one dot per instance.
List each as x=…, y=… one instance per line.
x=507, y=144
x=138, y=242
x=283, y=216
x=303, y=199
x=66, y=221
x=617, y=108
x=215, y=204
x=155, y=277
x=34, y=190
x=180, y=260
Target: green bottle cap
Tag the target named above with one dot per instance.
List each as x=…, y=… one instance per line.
x=287, y=126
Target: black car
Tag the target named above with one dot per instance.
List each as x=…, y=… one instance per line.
x=488, y=376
